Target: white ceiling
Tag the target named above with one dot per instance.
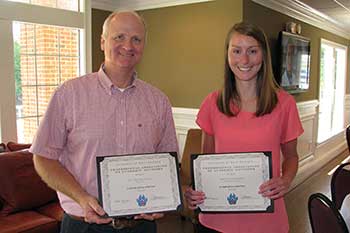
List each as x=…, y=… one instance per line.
x=330, y=15
x=339, y=10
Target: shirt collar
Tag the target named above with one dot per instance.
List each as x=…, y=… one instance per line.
x=107, y=83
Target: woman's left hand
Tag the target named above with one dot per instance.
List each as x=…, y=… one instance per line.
x=275, y=188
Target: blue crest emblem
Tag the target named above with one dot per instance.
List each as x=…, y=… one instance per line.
x=232, y=198
x=141, y=200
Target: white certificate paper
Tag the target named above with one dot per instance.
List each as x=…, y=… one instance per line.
x=135, y=184
x=231, y=181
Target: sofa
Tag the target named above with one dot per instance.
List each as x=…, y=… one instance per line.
x=27, y=204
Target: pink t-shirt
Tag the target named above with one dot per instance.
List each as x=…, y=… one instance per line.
x=244, y=133
x=89, y=117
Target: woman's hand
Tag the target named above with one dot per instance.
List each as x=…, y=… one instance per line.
x=278, y=186
x=275, y=188
x=193, y=198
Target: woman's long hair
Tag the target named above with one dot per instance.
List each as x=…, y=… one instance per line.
x=266, y=88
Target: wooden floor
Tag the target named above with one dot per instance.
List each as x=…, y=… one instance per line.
x=296, y=203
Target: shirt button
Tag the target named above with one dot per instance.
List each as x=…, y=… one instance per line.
x=122, y=122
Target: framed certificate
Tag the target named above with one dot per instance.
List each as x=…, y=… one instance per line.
x=231, y=181
x=139, y=183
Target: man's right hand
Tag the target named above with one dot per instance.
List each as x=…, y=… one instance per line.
x=93, y=212
x=50, y=169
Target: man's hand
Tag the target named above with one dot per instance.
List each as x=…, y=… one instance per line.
x=93, y=212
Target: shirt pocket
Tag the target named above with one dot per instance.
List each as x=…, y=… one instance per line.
x=148, y=133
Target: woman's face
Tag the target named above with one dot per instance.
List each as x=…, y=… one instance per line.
x=245, y=57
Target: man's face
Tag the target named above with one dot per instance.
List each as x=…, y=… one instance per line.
x=124, y=43
x=290, y=52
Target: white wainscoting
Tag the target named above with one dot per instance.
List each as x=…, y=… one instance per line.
x=311, y=155
x=184, y=119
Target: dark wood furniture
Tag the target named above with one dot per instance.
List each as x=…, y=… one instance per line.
x=324, y=216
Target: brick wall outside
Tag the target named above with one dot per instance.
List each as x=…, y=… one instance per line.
x=49, y=56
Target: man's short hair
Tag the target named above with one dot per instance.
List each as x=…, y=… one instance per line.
x=107, y=21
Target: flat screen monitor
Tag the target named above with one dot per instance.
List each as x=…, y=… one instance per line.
x=294, y=68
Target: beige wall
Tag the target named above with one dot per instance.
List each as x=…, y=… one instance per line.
x=97, y=19
x=184, y=55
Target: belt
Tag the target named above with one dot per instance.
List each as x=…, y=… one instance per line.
x=117, y=223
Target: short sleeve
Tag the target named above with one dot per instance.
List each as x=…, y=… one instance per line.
x=51, y=134
x=206, y=112
x=291, y=124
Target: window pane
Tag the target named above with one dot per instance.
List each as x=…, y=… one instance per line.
x=30, y=125
x=47, y=70
x=29, y=102
x=24, y=1
x=69, y=68
x=27, y=38
x=41, y=67
x=46, y=40
x=69, y=45
x=72, y=5
x=27, y=70
x=44, y=96
x=49, y=3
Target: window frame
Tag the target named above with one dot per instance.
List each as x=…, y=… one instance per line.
x=334, y=45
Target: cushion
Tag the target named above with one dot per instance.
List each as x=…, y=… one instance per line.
x=52, y=210
x=21, y=186
x=28, y=221
x=2, y=147
x=14, y=146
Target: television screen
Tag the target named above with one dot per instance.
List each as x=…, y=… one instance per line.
x=294, y=62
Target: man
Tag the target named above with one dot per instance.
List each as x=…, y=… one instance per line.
x=289, y=77
x=104, y=113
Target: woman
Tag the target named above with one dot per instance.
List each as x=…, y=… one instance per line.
x=250, y=113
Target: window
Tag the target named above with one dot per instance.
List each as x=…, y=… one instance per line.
x=50, y=43
x=332, y=90
x=72, y=5
x=47, y=56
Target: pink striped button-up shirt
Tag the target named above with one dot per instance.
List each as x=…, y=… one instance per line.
x=89, y=117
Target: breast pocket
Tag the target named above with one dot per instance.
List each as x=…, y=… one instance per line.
x=148, y=134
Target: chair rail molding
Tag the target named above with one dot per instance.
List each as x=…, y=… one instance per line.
x=307, y=14
x=111, y=5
